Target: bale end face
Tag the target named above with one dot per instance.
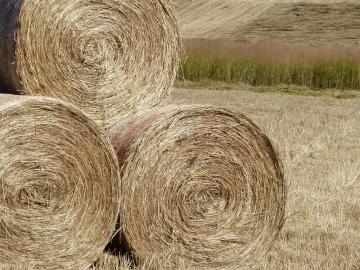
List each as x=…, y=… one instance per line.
x=59, y=185
x=109, y=58
x=201, y=186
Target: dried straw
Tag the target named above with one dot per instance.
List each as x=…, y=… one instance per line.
x=201, y=186
x=108, y=57
x=59, y=186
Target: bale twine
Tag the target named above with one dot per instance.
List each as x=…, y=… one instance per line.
x=59, y=185
x=108, y=57
x=201, y=186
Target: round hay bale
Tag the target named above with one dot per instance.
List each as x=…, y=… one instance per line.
x=201, y=186
x=59, y=185
x=108, y=57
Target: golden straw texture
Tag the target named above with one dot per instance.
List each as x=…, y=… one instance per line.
x=59, y=185
x=108, y=57
x=201, y=187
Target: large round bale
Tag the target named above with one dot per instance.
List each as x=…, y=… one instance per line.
x=59, y=185
x=201, y=186
x=108, y=57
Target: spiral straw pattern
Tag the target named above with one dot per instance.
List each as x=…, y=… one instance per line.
x=59, y=186
x=110, y=58
x=201, y=186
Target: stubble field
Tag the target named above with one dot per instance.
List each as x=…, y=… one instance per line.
x=312, y=21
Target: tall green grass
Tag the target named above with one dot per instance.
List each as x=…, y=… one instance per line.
x=271, y=64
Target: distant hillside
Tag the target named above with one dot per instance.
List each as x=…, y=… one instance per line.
x=316, y=21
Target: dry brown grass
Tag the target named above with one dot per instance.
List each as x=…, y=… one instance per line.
x=202, y=187
x=110, y=58
x=306, y=21
x=310, y=22
x=59, y=185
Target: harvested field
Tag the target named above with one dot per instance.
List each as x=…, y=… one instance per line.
x=218, y=19
x=312, y=21
x=323, y=23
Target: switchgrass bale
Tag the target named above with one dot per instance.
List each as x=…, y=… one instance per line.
x=59, y=186
x=202, y=188
x=108, y=57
